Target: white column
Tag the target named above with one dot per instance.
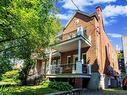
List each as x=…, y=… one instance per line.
x=79, y=64
x=50, y=59
x=79, y=50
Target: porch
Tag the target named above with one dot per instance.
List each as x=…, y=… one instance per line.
x=76, y=67
x=69, y=71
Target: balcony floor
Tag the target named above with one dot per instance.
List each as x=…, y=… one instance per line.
x=68, y=75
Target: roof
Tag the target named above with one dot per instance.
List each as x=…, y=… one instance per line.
x=83, y=13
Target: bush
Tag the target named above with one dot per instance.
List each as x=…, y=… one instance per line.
x=63, y=86
x=11, y=76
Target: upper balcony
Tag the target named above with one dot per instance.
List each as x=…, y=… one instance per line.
x=69, y=41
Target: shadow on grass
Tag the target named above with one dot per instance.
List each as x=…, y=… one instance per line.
x=32, y=91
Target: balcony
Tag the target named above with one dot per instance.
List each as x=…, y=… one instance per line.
x=69, y=41
x=71, y=35
x=69, y=70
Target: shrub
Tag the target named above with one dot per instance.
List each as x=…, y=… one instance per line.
x=64, y=86
x=11, y=76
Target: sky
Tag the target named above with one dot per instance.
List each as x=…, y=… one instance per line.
x=114, y=15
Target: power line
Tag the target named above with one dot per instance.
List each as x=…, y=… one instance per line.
x=75, y=5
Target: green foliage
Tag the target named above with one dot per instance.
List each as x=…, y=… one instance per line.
x=23, y=74
x=26, y=27
x=26, y=90
x=64, y=86
x=11, y=76
x=4, y=66
x=5, y=91
x=120, y=56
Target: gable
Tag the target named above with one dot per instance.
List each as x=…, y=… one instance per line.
x=77, y=20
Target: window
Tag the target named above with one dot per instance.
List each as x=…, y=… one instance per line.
x=84, y=58
x=68, y=59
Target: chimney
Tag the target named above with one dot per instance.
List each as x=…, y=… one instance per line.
x=99, y=11
x=100, y=17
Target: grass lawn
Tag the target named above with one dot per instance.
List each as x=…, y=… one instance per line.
x=115, y=91
x=27, y=90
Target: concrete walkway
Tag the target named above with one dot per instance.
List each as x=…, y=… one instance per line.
x=94, y=92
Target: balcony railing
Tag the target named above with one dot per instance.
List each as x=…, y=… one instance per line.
x=67, y=69
x=70, y=35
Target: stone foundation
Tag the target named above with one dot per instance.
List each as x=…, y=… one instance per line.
x=94, y=81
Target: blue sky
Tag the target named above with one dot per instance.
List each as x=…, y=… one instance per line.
x=114, y=13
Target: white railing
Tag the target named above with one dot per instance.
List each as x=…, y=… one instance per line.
x=69, y=69
x=70, y=35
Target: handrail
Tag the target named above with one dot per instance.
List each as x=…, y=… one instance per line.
x=72, y=34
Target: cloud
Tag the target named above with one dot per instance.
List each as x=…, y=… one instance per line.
x=83, y=3
x=69, y=5
x=109, y=20
x=110, y=13
x=115, y=10
x=114, y=35
x=63, y=16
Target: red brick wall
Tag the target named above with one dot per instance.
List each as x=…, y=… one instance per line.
x=108, y=58
x=71, y=53
x=78, y=82
x=88, y=24
x=96, y=54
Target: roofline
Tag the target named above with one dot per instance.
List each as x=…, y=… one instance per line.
x=83, y=13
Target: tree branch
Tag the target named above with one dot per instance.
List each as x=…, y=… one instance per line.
x=11, y=39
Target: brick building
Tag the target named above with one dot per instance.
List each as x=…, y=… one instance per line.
x=83, y=54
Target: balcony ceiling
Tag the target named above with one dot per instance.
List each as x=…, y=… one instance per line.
x=71, y=44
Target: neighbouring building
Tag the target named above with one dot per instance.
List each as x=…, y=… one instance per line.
x=121, y=61
x=83, y=54
x=124, y=40
x=121, y=66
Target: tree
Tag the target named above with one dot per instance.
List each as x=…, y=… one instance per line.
x=26, y=26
